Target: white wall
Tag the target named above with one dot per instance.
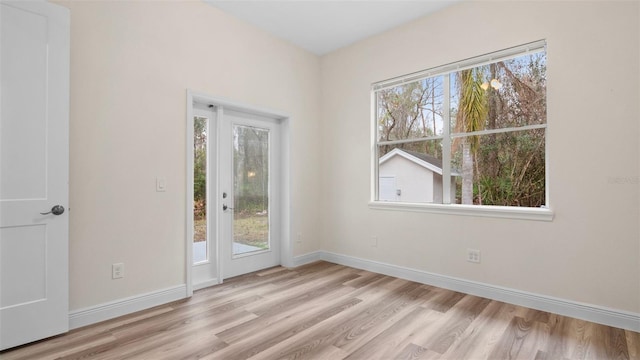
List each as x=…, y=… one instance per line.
x=590, y=252
x=414, y=181
x=131, y=63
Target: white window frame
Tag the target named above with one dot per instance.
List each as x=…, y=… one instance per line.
x=510, y=212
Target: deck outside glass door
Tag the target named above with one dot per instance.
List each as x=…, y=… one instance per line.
x=250, y=184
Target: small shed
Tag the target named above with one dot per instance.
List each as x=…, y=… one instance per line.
x=410, y=176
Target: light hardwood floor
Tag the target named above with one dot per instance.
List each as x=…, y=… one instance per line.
x=328, y=311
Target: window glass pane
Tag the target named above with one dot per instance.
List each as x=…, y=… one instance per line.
x=200, y=242
x=410, y=111
x=410, y=172
x=503, y=102
x=251, y=189
x=500, y=169
x=510, y=93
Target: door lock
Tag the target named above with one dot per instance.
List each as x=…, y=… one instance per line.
x=225, y=207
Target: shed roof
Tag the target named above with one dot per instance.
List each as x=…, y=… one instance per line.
x=425, y=160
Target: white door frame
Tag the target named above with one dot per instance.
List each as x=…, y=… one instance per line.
x=205, y=274
x=286, y=256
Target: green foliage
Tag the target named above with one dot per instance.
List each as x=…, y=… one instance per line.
x=508, y=168
x=200, y=167
x=520, y=176
x=473, y=104
x=410, y=111
x=512, y=164
x=251, y=170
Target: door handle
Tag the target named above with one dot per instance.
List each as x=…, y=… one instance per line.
x=55, y=210
x=225, y=207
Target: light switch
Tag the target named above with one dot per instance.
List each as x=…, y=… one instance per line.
x=161, y=184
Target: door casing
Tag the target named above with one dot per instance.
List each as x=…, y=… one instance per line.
x=286, y=257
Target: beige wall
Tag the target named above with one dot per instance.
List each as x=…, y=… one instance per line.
x=131, y=63
x=590, y=252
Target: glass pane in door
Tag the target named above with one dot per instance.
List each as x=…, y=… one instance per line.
x=200, y=241
x=250, y=189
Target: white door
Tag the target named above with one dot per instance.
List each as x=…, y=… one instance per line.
x=34, y=72
x=204, y=244
x=388, y=189
x=250, y=175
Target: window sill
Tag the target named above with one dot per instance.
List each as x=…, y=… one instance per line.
x=503, y=212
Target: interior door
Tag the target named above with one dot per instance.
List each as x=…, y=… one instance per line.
x=250, y=177
x=34, y=71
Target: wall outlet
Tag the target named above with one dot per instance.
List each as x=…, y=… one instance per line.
x=117, y=271
x=473, y=255
x=299, y=238
x=374, y=241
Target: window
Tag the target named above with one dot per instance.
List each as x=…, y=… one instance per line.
x=469, y=133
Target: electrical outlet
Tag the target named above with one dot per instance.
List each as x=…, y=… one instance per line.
x=117, y=271
x=374, y=241
x=299, y=239
x=473, y=255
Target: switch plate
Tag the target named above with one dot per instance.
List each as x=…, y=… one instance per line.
x=117, y=271
x=161, y=184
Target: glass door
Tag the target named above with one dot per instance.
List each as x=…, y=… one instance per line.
x=204, y=269
x=251, y=207
x=250, y=190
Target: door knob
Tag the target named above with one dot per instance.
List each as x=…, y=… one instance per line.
x=225, y=207
x=55, y=210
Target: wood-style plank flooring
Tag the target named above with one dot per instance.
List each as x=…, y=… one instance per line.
x=328, y=311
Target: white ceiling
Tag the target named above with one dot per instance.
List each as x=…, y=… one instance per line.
x=324, y=26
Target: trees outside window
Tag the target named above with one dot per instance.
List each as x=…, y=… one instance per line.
x=482, y=120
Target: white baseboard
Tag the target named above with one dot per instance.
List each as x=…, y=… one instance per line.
x=205, y=284
x=113, y=309
x=597, y=314
x=307, y=258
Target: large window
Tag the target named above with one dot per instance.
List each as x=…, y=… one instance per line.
x=470, y=133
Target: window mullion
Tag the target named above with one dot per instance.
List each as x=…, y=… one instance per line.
x=375, y=148
x=446, y=142
x=499, y=131
x=406, y=141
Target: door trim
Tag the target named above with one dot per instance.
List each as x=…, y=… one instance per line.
x=286, y=256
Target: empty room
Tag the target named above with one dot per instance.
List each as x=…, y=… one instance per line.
x=191, y=179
